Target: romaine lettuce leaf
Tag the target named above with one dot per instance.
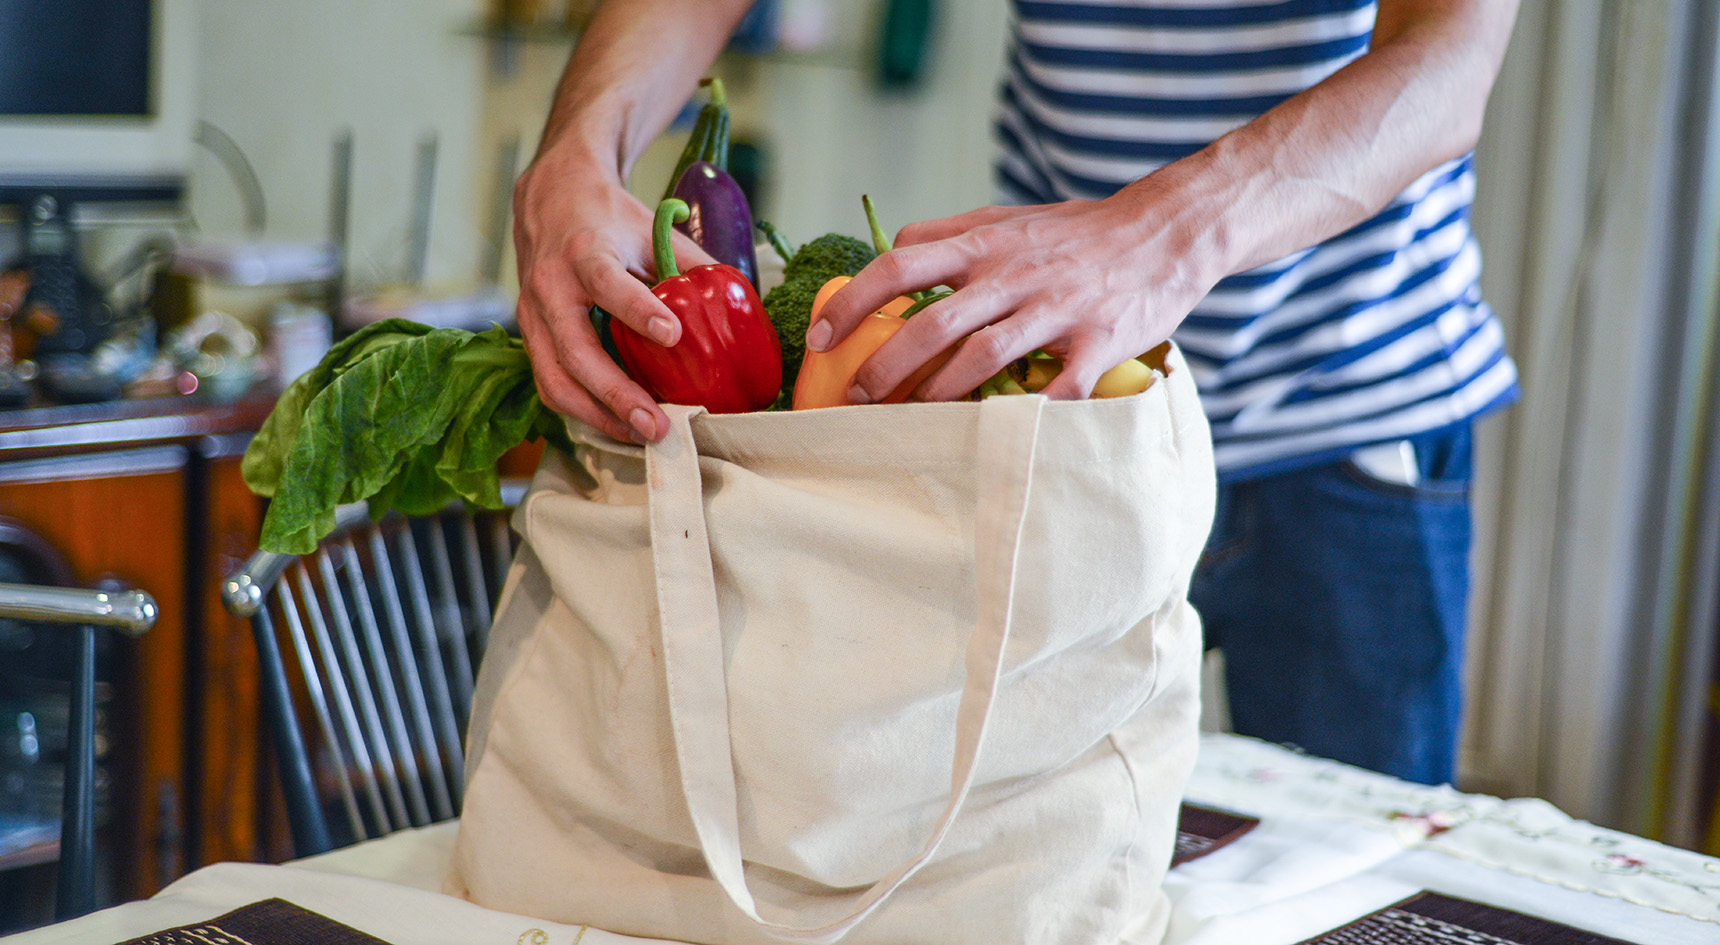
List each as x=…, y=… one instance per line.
x=400, y=416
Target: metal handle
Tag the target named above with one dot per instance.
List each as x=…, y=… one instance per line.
x=130, y=612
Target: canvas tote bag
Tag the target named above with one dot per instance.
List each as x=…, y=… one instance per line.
x=918, y=673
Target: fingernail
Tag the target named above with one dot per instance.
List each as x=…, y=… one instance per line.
x=644, y=423
x=856, y=395
x=661, y=329
x=818, y=336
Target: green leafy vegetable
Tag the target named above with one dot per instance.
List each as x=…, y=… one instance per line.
x=268, y=451
x=399, y=415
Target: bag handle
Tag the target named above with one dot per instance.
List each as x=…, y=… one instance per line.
x=693, y=650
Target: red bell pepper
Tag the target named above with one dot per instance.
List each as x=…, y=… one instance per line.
x=728, y=359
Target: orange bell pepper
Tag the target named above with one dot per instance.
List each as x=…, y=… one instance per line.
x=825, y=376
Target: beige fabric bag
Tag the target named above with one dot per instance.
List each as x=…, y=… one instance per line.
x=888, y=674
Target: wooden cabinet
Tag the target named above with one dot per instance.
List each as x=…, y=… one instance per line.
x=149, y=493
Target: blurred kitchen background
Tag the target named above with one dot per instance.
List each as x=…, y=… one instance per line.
x=346, y=159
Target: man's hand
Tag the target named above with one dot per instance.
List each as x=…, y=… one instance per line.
x=1094, y=282
x=581, y=239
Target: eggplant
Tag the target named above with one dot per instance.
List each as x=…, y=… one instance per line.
x=718, y=218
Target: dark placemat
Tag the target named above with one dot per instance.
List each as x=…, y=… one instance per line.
x=270, y=922
x=1431, y=919
x=1201, y=830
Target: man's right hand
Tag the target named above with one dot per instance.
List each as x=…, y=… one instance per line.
x=581, y=239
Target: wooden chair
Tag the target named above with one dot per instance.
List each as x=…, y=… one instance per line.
x=386, y=622
x=82, y=611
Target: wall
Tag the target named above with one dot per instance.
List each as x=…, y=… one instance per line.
x=921, y=154
x=283, y=78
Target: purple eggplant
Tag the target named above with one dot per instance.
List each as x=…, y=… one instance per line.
x=718, y=217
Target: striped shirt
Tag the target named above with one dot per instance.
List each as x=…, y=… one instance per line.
x=1376, y=334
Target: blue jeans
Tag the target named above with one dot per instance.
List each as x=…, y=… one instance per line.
x=1338, y=600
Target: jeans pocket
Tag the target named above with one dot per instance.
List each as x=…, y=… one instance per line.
x=1443, y=468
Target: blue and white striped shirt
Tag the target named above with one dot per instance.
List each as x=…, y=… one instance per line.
x=1376, y=334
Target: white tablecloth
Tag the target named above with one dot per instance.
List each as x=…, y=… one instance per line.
x=1334, y=844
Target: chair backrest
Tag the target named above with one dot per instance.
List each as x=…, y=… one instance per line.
x=385, y=623
x=80, y=610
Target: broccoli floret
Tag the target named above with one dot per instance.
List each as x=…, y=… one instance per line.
x=831, y=254
x=789, y=305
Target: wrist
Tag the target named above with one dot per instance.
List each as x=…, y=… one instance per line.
x=584, y=143
x=576, y=160
x=1195, y=216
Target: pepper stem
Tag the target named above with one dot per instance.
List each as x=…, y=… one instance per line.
x=777, y=241
x=880, y=242
x=669, y=212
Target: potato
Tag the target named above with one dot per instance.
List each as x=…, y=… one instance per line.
x=1126, y=379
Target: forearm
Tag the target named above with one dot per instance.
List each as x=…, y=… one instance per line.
x=637, y=62
x=581, y=238
x=1331, y=157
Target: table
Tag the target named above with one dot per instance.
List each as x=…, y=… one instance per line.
x=1333, y=844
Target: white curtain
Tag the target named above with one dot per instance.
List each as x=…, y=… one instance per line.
x=1593, y=613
